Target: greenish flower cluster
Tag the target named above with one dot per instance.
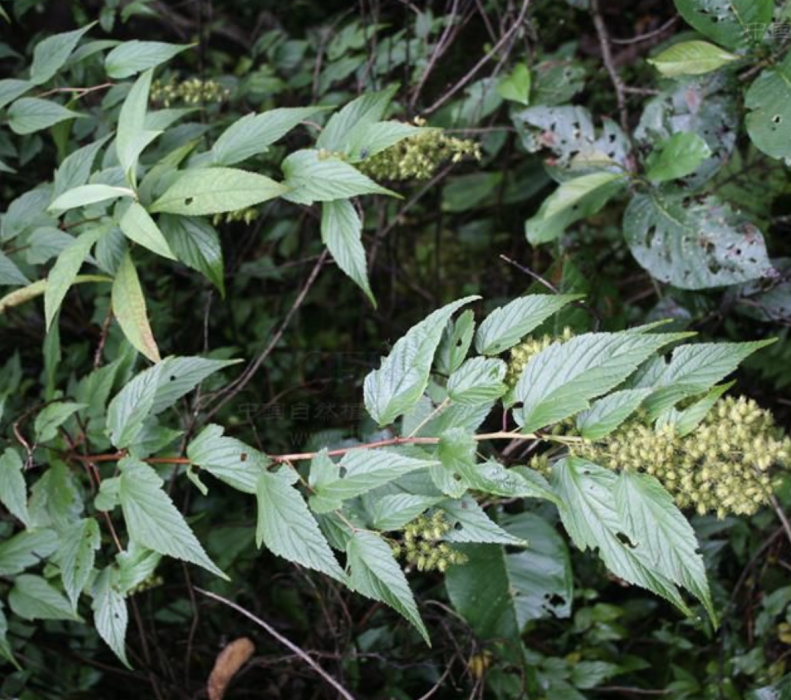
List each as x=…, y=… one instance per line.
x=421, y=545
x=522, y=353
x=419, y=156
x=152, y=581
x=192, y=92
x=723, y=466
x=247, y=215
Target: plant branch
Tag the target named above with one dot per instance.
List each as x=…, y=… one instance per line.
x=609, y=64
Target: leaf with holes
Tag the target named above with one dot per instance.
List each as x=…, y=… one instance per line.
x=731, y=23
x=769, y=118
x=694, y=244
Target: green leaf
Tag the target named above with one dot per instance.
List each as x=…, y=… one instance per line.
x=479, y=380
x=403, y=375
x=691, y=58
x=519, y=482
x=52, y=416
x=455, y=343
x=591, y=517
x=129, y=307
x=694, y=243
x=606, y=414
x=507, y=325
x=676, y=157
x=686, y=420
x=110, y=614
x=5, y=648
x=216, y=190
x=313, y=176
x=64, y=271
x=694, y=369
x=287, y=528
x=76, y=555
x=10, y=273
x=359, y=472
x=341, y=232
x=498, y=593
x=574, y=200
x=228, y=459
x=769, y=102
x=137, y=225
x=134, y=56
x=153, y=391
x=51, y=53
x=153, y=521
x=516, y=86
x=373, y=138
x=30, y=114
x=254, y=133
x=10, y=89
x=657, y=527
x=135, y=565
x=75, y=169
x=457, y=455
x=561, y=380
x=196, y=243
x=131, y=137
x=27, y=548
x=470, y=524
x=366, y=109
x=733, y=23
x=88, y=194
x=394, y=511
x=13, y=491
x=32, y=598
x=374, y=573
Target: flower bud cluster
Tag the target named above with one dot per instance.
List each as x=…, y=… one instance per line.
x=723, y=466
x=422, y=547
x=418, y=157
x=152, y=581
x=192, y=92
x=247, y=215
x=521, y=354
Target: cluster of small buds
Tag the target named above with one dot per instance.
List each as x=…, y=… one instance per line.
x=419, y=156
x=540, y=463
x=422, y=547
x=723, y=466
x=191, y=92
x=247, y=215
x=146, y=585
x=522, y=353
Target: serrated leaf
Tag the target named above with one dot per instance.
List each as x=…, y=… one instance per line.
x=470, y=524
x=606, y=414
x=479, y=380
x=52, y=416
x=33, y=598
x=372, y=138
x=374, y=573
x=769, y=102
x=393, y=511
x=215, y=191
x=51, y=53
x=228, y=459
x=88, y=194
x=134, y=56
x=574, y=200
x=30, y=114
x=312, y=176
x=196, y=243
x=153, y=521
x=455, y=343
x=361, y=471
x=590, y=516
x=254, y=133
x=137, y=225
x=692, y=243
x=457, y=455
x=76, y=555
x=341, y=232
x=691, y=58
x=129, y=307
x=686, y=420
x=110, y=614
x=732, y=24
x=676, y=157
x=519, y=482
x=507, y=325
x=75, y=169
x=25, y=549
x=560, y=381
x=364, y=110
x=287, y=528
x=403, y=375
x=131, y=137
x=13, y=491
x=657, y=526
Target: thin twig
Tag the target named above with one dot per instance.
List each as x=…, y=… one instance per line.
x=283, y=640
x=648, y=35
x=606, y=53
x=534, y=275
x=781, y=514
